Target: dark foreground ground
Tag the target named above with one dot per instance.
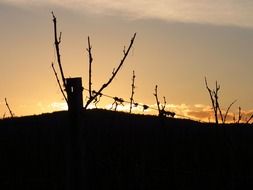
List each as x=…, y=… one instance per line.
x=123, y=152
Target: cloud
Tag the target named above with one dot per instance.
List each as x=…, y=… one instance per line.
x=247, y=115
x=198, y=112
x=58, y=106
x=219, y=12
x=200, y=115
x=181, y=110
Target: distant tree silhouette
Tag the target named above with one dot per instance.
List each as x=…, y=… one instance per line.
x=132, y=92
x=114, y=72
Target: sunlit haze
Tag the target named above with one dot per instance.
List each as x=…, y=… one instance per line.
x=178, y=44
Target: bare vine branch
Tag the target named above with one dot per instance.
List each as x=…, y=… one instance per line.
x=114, y=73
x=164, y=104
x=161, y=109
x=217, y=88
x=132, y=93
x=57, y=42
x=90, y=62
x=214, y=103
x=8, y=107
x=251, y=117
x=58, y=81
x=225, y=116
x=157, y=101
x=239, y=114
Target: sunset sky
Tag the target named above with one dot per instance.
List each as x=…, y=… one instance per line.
x=178, y=43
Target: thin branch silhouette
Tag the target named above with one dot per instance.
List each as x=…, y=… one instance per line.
x=217, y=88
x=8, y=107
x=114, y=73
x=239, y=114
x=225, y=116
x=132, y=92
x=59, y=84
x=157, y=100
x=90, y=63
x=214, y=99
x=164, y=104
x=251, y=117
x=57, y=42
x=165, y=113
x=161, y=108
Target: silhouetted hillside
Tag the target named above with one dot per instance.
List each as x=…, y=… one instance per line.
x=123, y=151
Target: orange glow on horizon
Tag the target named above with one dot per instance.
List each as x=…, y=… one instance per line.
x=176, y=56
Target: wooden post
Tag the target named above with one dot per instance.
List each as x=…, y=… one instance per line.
x=75, y=106
x=75, y=94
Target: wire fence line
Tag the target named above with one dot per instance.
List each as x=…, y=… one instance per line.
x=120, y=101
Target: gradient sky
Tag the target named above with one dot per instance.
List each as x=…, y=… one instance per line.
x=178, y=43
